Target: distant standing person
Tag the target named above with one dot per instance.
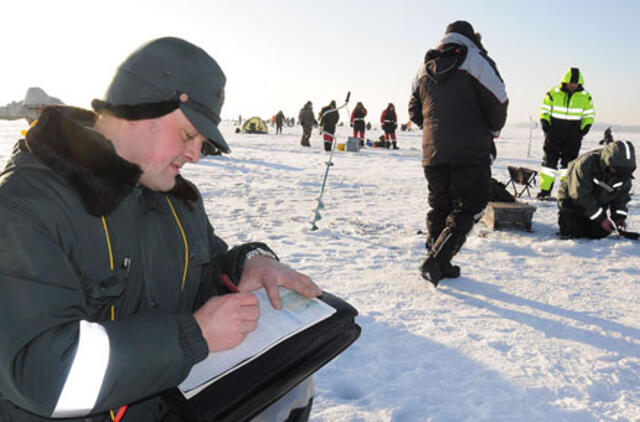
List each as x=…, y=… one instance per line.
x=566, y=115
x=35, y=100
x=308, y=121
x=357, y=121
x=329, y=117
x=279, y=122
x=459, y=100
x=389, y=121
x=607, y=137
x=596, y=183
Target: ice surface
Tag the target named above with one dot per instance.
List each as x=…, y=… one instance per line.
x=536, y=329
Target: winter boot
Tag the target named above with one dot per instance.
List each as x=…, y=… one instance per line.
x=451, y=271
x=327, y=146
x=543, y=195
x=395, y=145
x=431, y=271
x=432, y=268
x=387, y=144
x=437, y=265
x=547, y=179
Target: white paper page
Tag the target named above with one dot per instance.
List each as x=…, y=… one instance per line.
x=274, y=326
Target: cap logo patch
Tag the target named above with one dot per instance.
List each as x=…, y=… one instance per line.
x=221, y=96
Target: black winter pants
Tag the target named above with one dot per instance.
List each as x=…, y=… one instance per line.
x=578, y=226
x=457, y=196
x=559, y=148
x=358, y=125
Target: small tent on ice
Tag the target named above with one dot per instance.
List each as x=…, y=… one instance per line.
x=254, y=125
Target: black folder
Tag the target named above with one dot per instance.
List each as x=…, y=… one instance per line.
x=248, y=390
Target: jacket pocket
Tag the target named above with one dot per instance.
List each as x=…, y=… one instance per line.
x=103, y=290
x=198, y=259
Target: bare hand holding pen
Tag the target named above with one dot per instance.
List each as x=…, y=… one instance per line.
x=226, y=320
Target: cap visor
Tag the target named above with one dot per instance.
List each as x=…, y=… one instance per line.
x=206, y=127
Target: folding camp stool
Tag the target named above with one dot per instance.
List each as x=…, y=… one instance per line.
x=521, y=176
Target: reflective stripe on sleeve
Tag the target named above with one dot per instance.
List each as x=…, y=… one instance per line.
x=563, y=116
x=570, y=109
x=549, y=171
x=83, y=384
x=603, y=185
x=621, y=212
x=596, y=215
x=627, y=149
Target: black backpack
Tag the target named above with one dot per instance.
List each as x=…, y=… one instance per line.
x=498, y=192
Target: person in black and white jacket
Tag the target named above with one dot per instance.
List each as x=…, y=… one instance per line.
x=460, y=101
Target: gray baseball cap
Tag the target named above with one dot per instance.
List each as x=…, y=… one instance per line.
x=165, y=74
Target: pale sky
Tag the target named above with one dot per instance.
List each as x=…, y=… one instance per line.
x=279, y=54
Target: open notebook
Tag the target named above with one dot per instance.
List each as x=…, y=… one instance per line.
x=274, y=326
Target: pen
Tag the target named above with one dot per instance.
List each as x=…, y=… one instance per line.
x=228, y=284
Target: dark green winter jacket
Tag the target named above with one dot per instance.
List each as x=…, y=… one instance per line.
x=306, y=117
x=590, y=187
x=99, y=278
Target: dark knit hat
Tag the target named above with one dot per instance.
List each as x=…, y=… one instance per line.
x=462, y=27
x=466, y=29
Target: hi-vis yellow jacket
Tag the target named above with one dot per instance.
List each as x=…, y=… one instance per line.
x=560, y=104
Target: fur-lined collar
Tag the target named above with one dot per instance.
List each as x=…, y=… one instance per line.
x=64, y=141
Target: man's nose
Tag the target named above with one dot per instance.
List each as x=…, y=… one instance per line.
x=192, y=150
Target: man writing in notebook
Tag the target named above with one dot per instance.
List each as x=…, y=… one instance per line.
x=109, y=267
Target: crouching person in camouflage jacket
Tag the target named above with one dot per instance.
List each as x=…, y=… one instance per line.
x=593, y=196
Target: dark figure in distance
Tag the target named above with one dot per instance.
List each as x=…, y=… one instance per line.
x=389, y=121
x=329, y=117
x=279, y=122
x=307, y=121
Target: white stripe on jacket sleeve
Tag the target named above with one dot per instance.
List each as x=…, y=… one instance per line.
x=596, y=214
x=83, y=384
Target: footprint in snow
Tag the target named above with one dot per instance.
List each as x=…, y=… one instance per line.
x=501, y=346
x=348, y=390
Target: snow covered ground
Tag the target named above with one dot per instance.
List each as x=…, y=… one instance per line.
x=536, y=329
